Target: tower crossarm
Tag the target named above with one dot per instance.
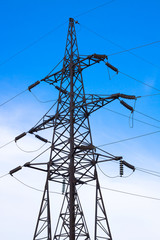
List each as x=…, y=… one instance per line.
x=89, y=104
x=47, y=123
x=94, y=102
x=53, y=78
x=80, y=62
x=84, y=62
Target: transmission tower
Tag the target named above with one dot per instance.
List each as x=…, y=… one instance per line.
x=73, y=157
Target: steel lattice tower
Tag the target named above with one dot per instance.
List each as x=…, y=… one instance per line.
x=73, y=157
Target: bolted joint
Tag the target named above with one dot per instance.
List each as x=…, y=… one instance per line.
x=27, y=164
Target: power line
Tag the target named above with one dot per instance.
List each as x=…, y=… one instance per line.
x=107, y=95
x=40, y=154
x=32, y=150
x=148, y=172
x=31, y=91
x=133, y=48
x=34, y=126
x=127, y=193
x=45, y=114
x=108, y=40
x=12, y=98
x=47, y=101
x=149, y=95
x=6, y=144
x=33, y=188
x=157, y=120
x=134, y=118
x=92, y=9
x=152, y=172
x=32, y=44
x=106, y=174
x=4, y=175
x=128, y=139
x=119, y=141
x=51, y=31
x=127, y=75
x=109, y=189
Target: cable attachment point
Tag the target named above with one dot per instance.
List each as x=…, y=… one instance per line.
x=41, y=138
x=121, y=168
x=63, y=186
x=33, y=85
x=112, y=67
x=100, y=56
x=129, y=165
x=20, y=136
x=15, y=170
x=127, y=96
x=27, y=164
x=123, y=163
x=126, y=105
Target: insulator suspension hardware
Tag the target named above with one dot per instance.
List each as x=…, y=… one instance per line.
x=127, y=96
x=112, y=67
x=121, y=168
x=121, y=95
x=123, y=163
x=127, y=106
x=100, y=56
x=20, y=136
x=33, y=85
x=15, y=170
x=41, y=138
x=129, y=165
x=63, y=186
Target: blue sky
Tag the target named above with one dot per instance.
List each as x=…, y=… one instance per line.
x=34, y=32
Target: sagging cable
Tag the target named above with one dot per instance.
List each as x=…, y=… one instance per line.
x=30, y=151
x=131, y=118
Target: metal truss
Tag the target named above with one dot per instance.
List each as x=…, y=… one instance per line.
x=73, y=156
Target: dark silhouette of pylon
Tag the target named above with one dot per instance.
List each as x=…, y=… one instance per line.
x=73, y=156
